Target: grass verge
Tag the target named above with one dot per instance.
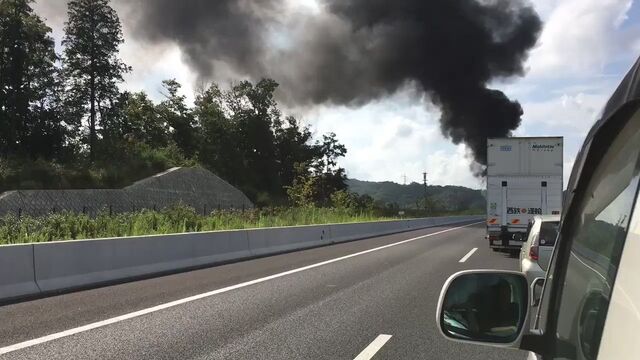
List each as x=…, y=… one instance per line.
x=180, y=219
x=71, y=226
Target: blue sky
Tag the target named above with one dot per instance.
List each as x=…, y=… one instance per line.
x=585, y=49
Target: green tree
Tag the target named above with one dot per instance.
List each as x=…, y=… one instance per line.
x=93, y=35
x=344, y=200
x=253, y=111
x=304, y=191
x=246, y=141
x=143, y=121
x=332, y=177
x=175, y=112
x=329, y=151
x=29, y=88
x=320, y=182
x=347, y=200
x=218, y=149
x=293, y=146
x=134, y=117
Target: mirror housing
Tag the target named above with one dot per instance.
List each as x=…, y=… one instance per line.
x=487, y=307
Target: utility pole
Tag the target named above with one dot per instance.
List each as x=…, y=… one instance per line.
x=404, y=179
x=424, y=174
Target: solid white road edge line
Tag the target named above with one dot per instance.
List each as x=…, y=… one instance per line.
x=373, y=348
x=95, y=325
x=466, y=257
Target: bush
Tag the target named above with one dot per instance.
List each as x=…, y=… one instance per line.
x=127, y=163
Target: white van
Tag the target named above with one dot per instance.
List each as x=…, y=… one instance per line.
x=590, y=305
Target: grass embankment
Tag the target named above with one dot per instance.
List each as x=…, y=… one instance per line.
x=69, y=226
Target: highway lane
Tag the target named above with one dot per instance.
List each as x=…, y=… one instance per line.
x=332, y=311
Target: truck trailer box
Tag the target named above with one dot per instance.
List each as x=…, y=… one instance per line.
x=525, y=156
x=524, y=179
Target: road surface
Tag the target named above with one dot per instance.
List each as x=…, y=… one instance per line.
x=373, y=298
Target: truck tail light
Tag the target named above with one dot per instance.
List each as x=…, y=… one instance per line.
x=493, y=237
x=533, y=253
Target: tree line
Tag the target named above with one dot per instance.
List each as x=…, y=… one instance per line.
x=65, y=122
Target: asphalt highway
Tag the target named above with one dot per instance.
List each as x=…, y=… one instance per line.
x=368, y=299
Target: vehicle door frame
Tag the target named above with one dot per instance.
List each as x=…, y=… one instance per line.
x=544, y=342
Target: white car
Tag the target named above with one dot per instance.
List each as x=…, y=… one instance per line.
x=535, y=254
x=590, y=305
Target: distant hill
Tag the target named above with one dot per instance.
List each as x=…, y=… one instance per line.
x=448, y=198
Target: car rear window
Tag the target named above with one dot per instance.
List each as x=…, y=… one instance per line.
x=548, y=233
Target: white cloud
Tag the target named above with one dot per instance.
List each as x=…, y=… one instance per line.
x=151, y=63
x=393, y=137
x=583, y=52
x=581, y=37
x=544, y=7
x=305, y=5
x=569, y=114
x=148, y=72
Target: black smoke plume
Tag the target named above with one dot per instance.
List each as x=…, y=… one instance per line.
x=355, y=51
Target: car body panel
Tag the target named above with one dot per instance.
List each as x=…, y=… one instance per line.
x=533, y=356
x=544, y=257
x=531, y=270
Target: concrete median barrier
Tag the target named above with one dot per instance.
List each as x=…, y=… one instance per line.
x=17, y=272
x=348, y=232
x=419, y=223
x=275, y=240
x=27, y=270
x=72, y=264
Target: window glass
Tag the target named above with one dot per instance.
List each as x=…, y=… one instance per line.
x=548, y=233
x=596, y=243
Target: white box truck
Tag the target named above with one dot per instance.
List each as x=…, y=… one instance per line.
x=524, y=179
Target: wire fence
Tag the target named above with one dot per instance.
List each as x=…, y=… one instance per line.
x=194, y=187
x=204, y=209
x=38, y=205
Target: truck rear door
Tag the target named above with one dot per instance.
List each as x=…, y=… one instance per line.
x=524, y=201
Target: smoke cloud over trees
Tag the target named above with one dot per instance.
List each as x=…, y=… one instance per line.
x=351, y=52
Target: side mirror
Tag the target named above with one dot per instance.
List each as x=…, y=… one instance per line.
x=484, y=306
x=536, y=291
